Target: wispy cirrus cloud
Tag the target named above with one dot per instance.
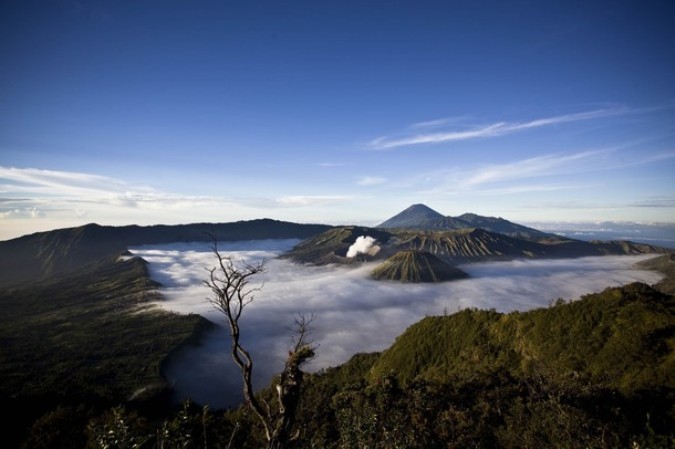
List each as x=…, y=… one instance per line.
x=536, y=174
x=440, y=122
x=52, y=182
x=38, y=193
x=42, y=187
x=533, y=167
x=486, y=131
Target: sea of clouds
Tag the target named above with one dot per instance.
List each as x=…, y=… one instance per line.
x=352, y=312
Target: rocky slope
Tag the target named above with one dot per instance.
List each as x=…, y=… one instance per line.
x=453, y=247
x=416, y=266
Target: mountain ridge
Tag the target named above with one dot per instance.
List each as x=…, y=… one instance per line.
x=453, y=247
x=43, y=254
x=422, y=217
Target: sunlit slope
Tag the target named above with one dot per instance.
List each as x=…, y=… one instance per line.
x=470, y=244
x=621, y=338
x=459, y=246
x=416, y=266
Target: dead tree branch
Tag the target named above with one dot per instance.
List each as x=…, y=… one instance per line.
x=231, y=293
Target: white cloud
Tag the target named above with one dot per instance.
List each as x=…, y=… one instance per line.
x=440, y=122
x=371, y=181
x=491, y=130
x=383, y=143
x=30, y=212
x=51, y=182
x=353, y=313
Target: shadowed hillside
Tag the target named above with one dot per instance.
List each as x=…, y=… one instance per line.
x=44, y=254
x=86, y=339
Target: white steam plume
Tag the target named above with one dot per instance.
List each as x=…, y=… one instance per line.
x=362, y=245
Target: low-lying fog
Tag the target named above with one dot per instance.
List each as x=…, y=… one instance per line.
x=352, y=312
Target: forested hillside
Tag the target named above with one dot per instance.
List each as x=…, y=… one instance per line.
x=593, y=373
x=597, y=372
x=77, y=345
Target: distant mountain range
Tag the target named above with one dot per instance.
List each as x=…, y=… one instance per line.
x=468, y=238
x=453, y=240
x=43, y=254
x=423, y=218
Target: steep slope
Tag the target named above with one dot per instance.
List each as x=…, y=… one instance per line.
x=332, y=246
x=44, y=254
x=470, y=245
x=506, y=227
x=666, y=265
x=416, y=266
x=421, y=217
x=413, y=217
x=622, y=338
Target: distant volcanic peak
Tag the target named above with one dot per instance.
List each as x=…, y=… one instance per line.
x=416, y=266
x=412, y=217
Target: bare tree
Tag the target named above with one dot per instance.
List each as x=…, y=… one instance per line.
x=229, y=283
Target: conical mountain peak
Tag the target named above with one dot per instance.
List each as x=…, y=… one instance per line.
x=416, y=266
x=412, y=217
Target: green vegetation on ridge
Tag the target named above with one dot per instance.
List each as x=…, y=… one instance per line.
x=622, y=338
x=593, y=373
x=86, y=340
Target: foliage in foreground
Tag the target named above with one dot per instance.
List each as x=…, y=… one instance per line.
x=543, y=391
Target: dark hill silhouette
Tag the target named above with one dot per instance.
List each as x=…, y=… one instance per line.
x=422, y=217
x=44, y=254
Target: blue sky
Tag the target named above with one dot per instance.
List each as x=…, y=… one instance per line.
x=122, y=112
